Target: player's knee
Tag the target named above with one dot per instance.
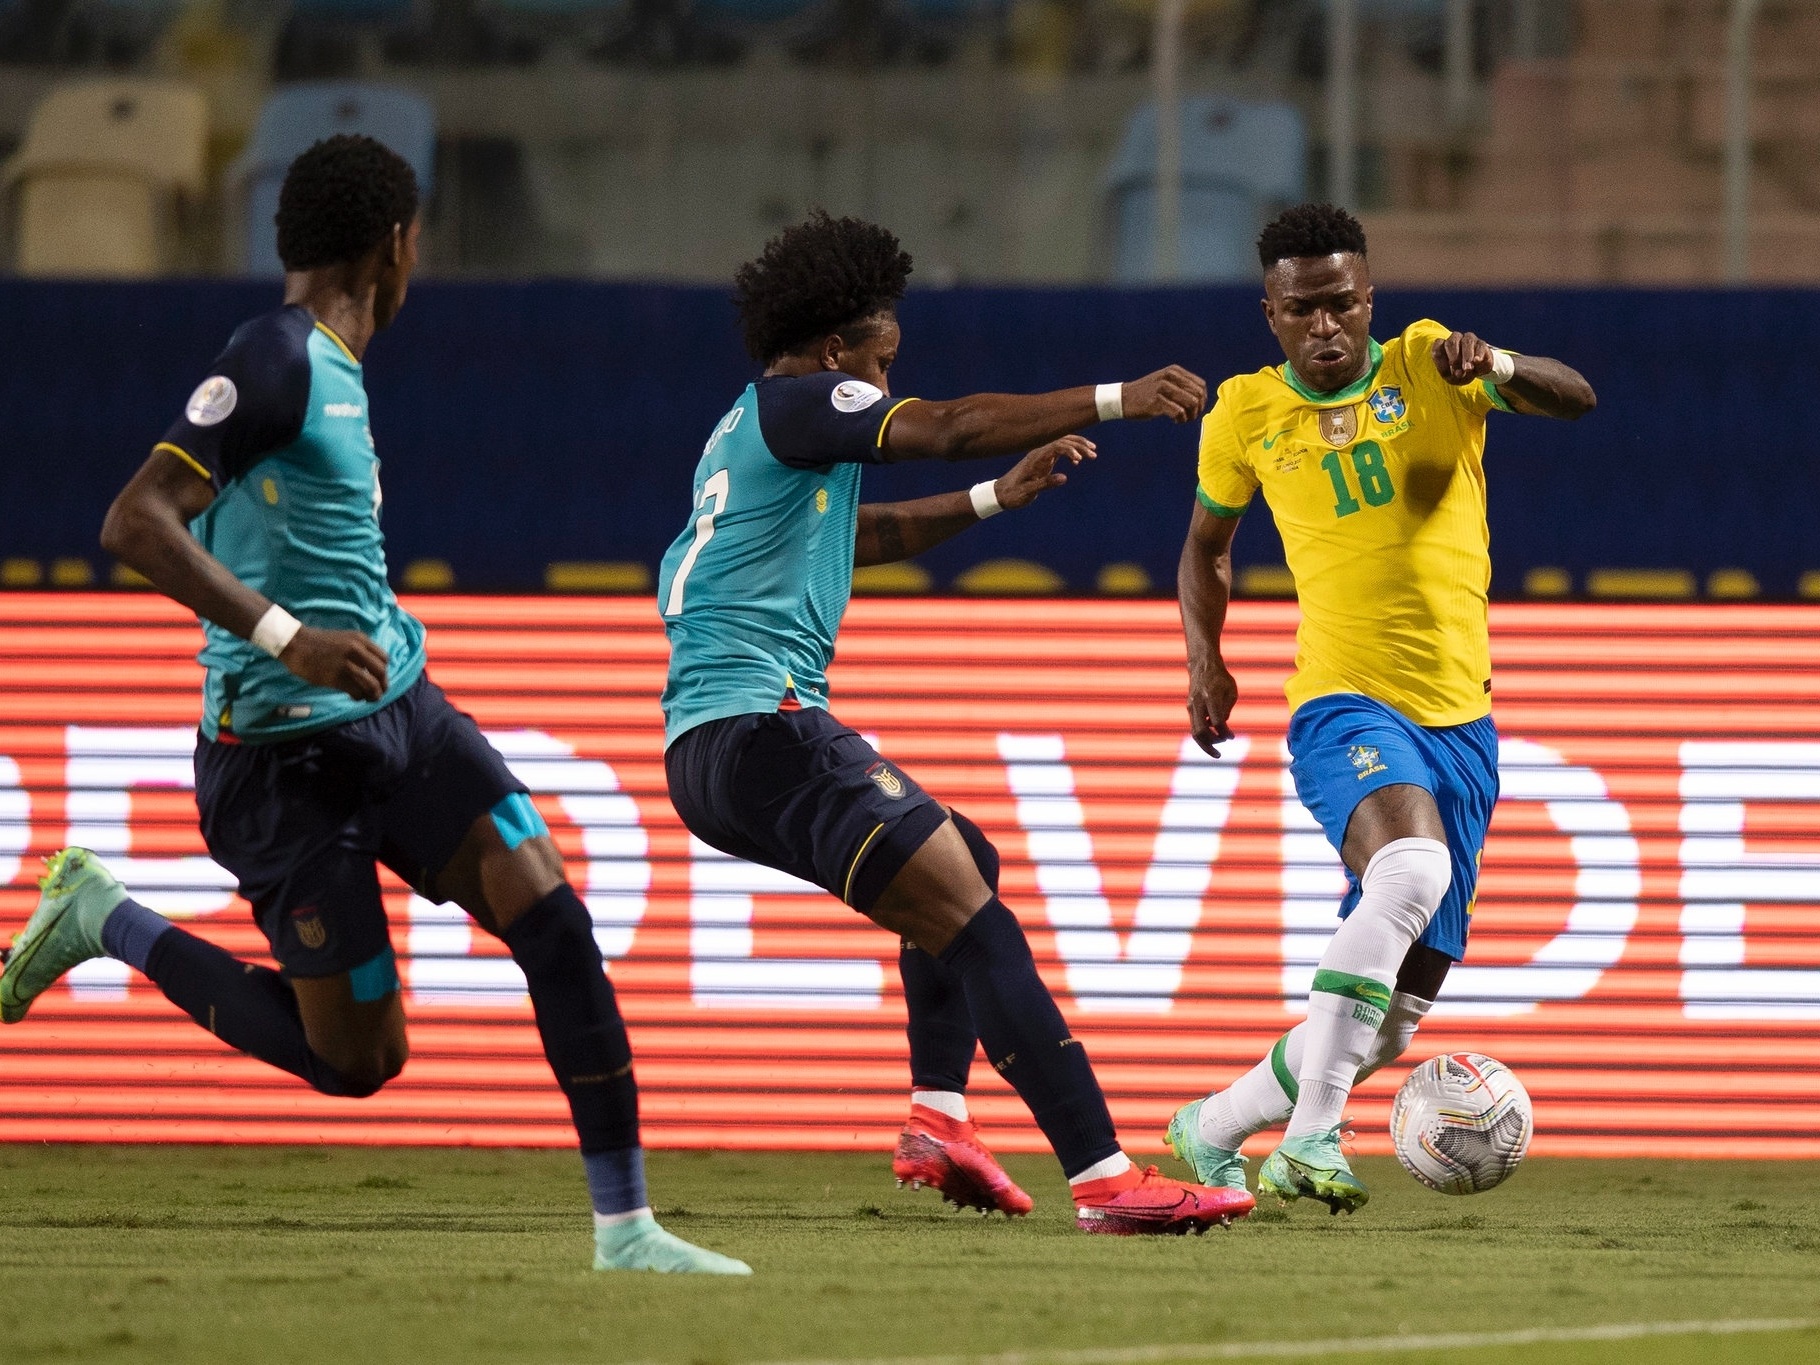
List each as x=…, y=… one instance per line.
x=1408, y=879
x=553, y=936
x=985, y=856
x=357, y=1077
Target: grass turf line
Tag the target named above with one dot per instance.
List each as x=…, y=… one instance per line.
x=306, y=1254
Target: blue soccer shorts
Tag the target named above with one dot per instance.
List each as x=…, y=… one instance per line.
x=1344, y=747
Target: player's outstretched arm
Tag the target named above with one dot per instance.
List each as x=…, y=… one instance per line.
x=891, y=531
x=988, y=424
x=1536, y=385
x=148, y=529
x=1204, y=584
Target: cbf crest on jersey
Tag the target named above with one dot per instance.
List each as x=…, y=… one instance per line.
x=1338, y=425
x=1387, y=404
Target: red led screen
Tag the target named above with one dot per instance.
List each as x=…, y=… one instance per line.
x=1645, y=953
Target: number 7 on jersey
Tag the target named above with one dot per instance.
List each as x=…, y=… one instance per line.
x=713, y=489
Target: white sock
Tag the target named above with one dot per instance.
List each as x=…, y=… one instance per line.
x=1116, y=1164
x=1401, y=1021
x=1257, y=1100
x=609, y=1220
x=1399, y=893
x=949, y=1102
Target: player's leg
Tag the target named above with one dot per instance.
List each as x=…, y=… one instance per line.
x=283, y=819
x=939, y=1145
x=463, y=829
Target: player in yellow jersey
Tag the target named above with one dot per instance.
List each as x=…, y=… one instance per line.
x=1370, y=459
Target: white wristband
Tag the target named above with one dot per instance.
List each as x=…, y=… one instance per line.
x=1503, y=366
x=276, y=629
x=1110, y=400
x=985, y=500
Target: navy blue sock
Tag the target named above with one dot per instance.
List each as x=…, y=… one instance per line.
x=1027, y=1040
x=129, y=932
x=584, y=1039
x=248, y=1007
x=616, y=1180
x=940, y=1027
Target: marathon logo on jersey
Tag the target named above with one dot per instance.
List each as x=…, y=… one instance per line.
x=1365, y=758
x=312, y=933
x=854, y=395
x=888, y=782
x=1338, y=425
x=213, y=402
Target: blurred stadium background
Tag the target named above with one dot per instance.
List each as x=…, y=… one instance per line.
x=1629, y=184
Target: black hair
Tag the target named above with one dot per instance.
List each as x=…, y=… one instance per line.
x=816, y=279
x=340, y=199
x=1310, y=230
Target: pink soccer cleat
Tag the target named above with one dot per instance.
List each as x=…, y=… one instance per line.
x=947, y=1155
x=1145, y=1201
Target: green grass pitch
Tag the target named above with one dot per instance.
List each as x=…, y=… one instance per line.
x=344, y=1255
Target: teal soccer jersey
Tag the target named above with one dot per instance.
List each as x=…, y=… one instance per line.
x=280, y=428
x=753, y=590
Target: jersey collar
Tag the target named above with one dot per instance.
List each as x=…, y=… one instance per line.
x=1352, y=391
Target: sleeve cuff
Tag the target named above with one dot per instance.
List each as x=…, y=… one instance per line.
x=1498, y=400
x=186, y=457
x=1219, y=509
x=885, y=423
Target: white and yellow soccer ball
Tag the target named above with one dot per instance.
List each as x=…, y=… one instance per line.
x=1461, y=1123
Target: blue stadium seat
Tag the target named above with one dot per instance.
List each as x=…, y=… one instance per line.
x=749, y=11
x=298, y=116
x=1240, y=163
x=355, y=11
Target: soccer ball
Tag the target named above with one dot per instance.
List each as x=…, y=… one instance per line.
x=1461, y=1123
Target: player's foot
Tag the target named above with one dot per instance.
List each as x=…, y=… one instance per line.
x=1144, y=1200
x=76, y=896
x=947, y=1155
x=640, y=1244
x=1313, y=1167
x=1220, y=1167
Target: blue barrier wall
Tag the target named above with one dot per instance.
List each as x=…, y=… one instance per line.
x=525, y=423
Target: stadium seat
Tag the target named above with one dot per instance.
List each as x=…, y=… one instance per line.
x=1659, y=584
x=1241, y=162
x=21, y=573
x=298, y=116
x=1732, y=585
x=1809, y=584
x=428, y=575
x=1010, y=578
x=1266, y=580
x=72, y=573
x=355, y=11
x=591, y=576
x=1548, y=582
x=1124, y=580
x=96, y=179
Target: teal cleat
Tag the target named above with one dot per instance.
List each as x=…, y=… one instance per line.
x=1313, y=1167
x=640, y=1244
x=1215, y=1166
x=77, y=896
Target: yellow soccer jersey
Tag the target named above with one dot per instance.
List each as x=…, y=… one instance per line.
x=1378, y=491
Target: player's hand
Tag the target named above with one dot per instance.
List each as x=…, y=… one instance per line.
x=345, y=660
x=1461, y=358
x=1037, y=471
x=1212, y=693
x=1175, y=393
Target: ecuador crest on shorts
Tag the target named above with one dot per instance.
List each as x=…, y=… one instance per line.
x=311, y=931
x=888, y=782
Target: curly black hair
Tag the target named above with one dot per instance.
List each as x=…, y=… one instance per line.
x=818, y=278
x=1310, y=230
x=340, y=199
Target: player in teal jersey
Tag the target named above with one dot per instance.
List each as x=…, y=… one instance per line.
x=752, y=594
x=324, y=747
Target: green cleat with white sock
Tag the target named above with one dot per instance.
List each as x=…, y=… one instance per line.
x=77, y=894
x=1216, y=1166
x=1312, y=1166
x=639, y=1243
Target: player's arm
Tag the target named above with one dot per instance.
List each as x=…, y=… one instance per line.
x=253, y=403
x=1203, y=582
x=988, y=424
x=1537, y=385
x=891, y=531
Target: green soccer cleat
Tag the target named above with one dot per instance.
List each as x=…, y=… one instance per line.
x=1215, y=1166
x=77, y=896
x=1313, y=1167
x=640, y=1244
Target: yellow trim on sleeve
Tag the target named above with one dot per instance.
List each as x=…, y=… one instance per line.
x=887, y=420
x=847, y=890
x=329, y=332
x=186, y=457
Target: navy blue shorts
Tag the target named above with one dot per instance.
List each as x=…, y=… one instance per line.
x=302, y=822
x=798, y=791
x=1344, y=747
